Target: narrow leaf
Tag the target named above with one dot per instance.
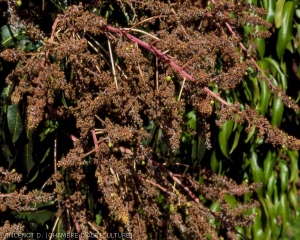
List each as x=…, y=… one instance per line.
x=278, y=12
x=14, y=121
x=285, y=32
x=224, y=135
x=27, y=153
x=38, y=216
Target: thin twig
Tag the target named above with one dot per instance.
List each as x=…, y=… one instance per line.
x=54, y=227
x=149, y=19
x=112, y=63
x=141, y=31
x=156, y=73
x=96, y=116
x=158, y=186
x=181, y=89
x=95, y=229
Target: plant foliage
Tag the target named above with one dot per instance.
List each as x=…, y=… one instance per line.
x=151, y=119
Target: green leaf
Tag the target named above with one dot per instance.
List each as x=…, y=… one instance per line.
x=60, y=230
x=271, y=185
x=261, y=46
x=265, y=95
x=10, y=36
x=201, y=148
x=277, y=112
x=257, y=229
x=27, y=153
x=265, y=92
x=278, y=13
x=293, y=197
x=224, y=135
x=192, y=120
x=230, y=200
x=34, y=177
x=45, y=155
x=98, y=219
x=294, y=156
x=250, y=134
x=7, y=154
x=285, y=33
x=272, y=216
x=14, y=121
x=285, y=213
x=284, y=176
x=236, y=138
x=268, y=166
x=255, y=91
x=215, y=207
x=214, y=164
x=38, y=216
x=258, y=175
x=282, y=82
x=270, y=10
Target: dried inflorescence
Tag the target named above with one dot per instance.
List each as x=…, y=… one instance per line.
x=111, y=83
x=8, y=177
x=23, y=201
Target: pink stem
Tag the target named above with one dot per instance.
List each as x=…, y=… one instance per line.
x=152, y=49
x=95, y=139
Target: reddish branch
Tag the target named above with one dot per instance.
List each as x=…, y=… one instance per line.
x=158, y=53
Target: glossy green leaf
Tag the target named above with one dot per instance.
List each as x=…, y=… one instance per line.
x=271, y=7
x=272, y=216
x=285, y=33
x=284, y=176
x=289, y=46
x=268, y=166
x=258, y=175
x=265, y=92
x=267, y=227
x=251, y=133
x=255, y=91
x=247, y=91
x=271, y=184
x=293, y=198
x=278, y=13
x=285, y=214
x=257, y=230
x=236, y=138
x=261, y=46
x=264, y=97
x=224, y=135
x=215, y=206
x=294, y=157
x=241, y=232
x=277, y=112
x=14, y=121
x=282, y=80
